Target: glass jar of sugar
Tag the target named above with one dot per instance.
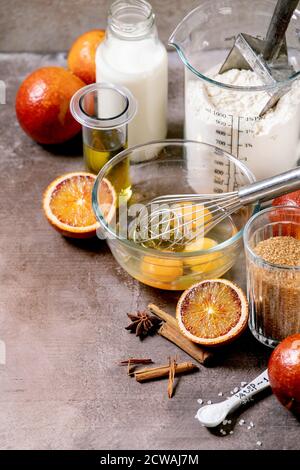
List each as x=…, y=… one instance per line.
x=272, y=246
x=223, y=109
x=133, y=56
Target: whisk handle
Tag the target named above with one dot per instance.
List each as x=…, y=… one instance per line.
x=270, y=188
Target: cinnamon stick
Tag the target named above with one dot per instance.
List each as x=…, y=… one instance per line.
x=163, y=315
x=172, y=372
x=170, y=331
x=131, y=362
x=134, y=361
x=152, y=373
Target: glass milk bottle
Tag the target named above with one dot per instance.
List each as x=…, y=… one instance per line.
x=133, y=56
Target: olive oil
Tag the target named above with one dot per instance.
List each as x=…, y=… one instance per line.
x=119, y=176
x=100, y=147
x=96, y=159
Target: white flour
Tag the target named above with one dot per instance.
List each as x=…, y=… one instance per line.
x=229, y=120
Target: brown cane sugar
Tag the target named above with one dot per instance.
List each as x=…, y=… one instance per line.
x=280, y=250
x=275, y=290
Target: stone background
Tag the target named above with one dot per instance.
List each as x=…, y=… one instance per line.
x=63, y=302
x=52, y=25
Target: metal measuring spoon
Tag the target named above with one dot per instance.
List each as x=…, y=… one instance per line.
x=213, y=415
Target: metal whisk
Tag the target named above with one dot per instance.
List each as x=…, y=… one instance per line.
x=172, y=220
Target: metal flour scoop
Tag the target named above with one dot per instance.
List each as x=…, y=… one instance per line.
x=269, y=57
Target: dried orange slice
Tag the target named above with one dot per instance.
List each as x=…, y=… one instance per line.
x=67, y=204
x=213, y=312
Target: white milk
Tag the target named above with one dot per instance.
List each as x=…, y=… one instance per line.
x=229, y=120
x=141, y=66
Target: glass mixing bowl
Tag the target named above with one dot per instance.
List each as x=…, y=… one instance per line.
x=144, y=172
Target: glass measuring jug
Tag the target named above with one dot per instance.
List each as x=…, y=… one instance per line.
x=223, y=110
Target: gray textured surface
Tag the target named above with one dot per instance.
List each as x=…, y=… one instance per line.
x=63, y=310
x=52, y=25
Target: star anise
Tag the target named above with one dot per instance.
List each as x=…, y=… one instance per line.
x=143, y=324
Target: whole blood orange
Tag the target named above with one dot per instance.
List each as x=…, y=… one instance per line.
x=284, y=373
x=81, y=57
x=290, y=199
x=42, y=105
x=284, y=216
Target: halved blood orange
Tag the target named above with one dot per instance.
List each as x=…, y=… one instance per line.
x=213, y=312
x=67, y=204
